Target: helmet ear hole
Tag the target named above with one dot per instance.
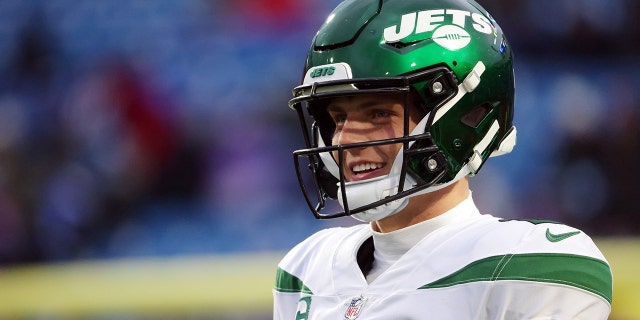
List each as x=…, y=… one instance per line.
x=476, y=115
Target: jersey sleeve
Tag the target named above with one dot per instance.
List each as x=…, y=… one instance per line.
x=557, y=272
x=531, y=269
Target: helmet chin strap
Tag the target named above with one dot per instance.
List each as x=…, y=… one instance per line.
x=361, y=193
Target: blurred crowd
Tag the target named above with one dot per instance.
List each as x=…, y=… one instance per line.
x=146, y=128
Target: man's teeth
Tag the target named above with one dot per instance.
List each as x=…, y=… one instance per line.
x=366, y=166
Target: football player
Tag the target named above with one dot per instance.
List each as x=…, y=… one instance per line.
x=400, y=103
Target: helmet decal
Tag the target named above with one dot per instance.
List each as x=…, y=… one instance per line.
x=430, y=20
x=328, y=72
x=451, y=37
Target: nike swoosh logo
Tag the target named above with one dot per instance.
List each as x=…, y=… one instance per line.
x=561, y=236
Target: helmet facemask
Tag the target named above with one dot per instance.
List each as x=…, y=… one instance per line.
x=418, y=165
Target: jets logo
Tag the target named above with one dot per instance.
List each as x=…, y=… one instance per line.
x=327, y=72
x=322, y=71
x=448, y=26
x=451, y=37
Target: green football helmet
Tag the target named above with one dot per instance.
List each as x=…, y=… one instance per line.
x=447, y=57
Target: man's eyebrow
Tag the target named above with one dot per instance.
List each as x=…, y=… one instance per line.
x=332, y=107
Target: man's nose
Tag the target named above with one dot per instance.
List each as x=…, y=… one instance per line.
x=353, y=131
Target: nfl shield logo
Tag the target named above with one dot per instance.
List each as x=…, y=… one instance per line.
x=355, y=306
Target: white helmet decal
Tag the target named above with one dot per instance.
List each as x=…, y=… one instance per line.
x=451, y=37
x=430, y=20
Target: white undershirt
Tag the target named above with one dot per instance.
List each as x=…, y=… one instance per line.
x=390, y=246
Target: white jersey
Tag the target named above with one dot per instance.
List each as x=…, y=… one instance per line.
x=479, y=268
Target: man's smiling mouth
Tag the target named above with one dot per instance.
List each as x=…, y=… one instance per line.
x=363, y=167
x=366, y=170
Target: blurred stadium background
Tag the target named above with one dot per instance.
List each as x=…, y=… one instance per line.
x=145, y=148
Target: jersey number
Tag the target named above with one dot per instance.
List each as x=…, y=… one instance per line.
x=304, y=305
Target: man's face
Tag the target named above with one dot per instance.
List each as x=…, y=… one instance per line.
x=365, y=118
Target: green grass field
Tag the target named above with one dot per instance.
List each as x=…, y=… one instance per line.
x=233, y=286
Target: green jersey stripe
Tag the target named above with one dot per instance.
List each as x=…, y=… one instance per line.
x=286, y=282
x=579, y=271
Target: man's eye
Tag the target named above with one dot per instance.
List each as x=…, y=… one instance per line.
x=339, y=118
x=381, y=113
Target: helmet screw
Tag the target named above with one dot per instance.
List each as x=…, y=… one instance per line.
x=432, y=164
x=457, y=144
x=437, y=87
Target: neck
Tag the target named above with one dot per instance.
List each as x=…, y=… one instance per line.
x=425, y=207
